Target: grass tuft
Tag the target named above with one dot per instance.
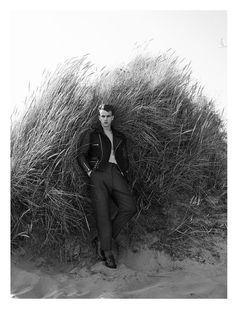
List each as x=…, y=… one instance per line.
x=176, y=142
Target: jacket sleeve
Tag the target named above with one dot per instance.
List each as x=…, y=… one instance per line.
x=126, y=158
x=82, y=153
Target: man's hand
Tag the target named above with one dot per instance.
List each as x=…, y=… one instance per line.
x=89, y=173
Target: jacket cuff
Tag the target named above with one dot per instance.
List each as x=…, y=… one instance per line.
x=87, y=168
x=126, y=175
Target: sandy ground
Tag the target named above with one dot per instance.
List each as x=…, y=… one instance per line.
x=144, y=274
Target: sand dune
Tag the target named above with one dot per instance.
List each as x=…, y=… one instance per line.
x=146, y=274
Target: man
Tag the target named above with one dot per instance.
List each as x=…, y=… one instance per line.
x=103, y=156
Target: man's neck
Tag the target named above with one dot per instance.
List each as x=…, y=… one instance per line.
x=108, y=130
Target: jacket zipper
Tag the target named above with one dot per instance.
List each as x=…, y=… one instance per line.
x=98, y=162
x=118, y=145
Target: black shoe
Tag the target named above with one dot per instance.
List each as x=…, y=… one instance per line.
x=110, y=261
x=100, y=253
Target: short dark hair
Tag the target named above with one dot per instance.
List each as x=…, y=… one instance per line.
x=106, y=107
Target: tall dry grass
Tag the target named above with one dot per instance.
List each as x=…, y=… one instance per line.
x=176, y=143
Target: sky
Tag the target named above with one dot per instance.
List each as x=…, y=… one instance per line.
x=42, y=39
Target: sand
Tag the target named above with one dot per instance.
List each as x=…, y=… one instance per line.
x=143, y=274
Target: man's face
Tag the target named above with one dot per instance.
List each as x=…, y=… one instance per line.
x=105, y=118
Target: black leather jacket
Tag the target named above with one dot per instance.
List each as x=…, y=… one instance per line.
x=95, y=149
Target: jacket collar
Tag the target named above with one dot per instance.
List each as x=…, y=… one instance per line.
x=98, y=128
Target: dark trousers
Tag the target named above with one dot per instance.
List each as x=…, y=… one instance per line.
x=104, y=186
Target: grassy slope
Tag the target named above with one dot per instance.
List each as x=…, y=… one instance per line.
x=177, y=152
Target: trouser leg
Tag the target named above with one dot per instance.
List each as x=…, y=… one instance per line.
x=124, y=200
x=100, y=198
